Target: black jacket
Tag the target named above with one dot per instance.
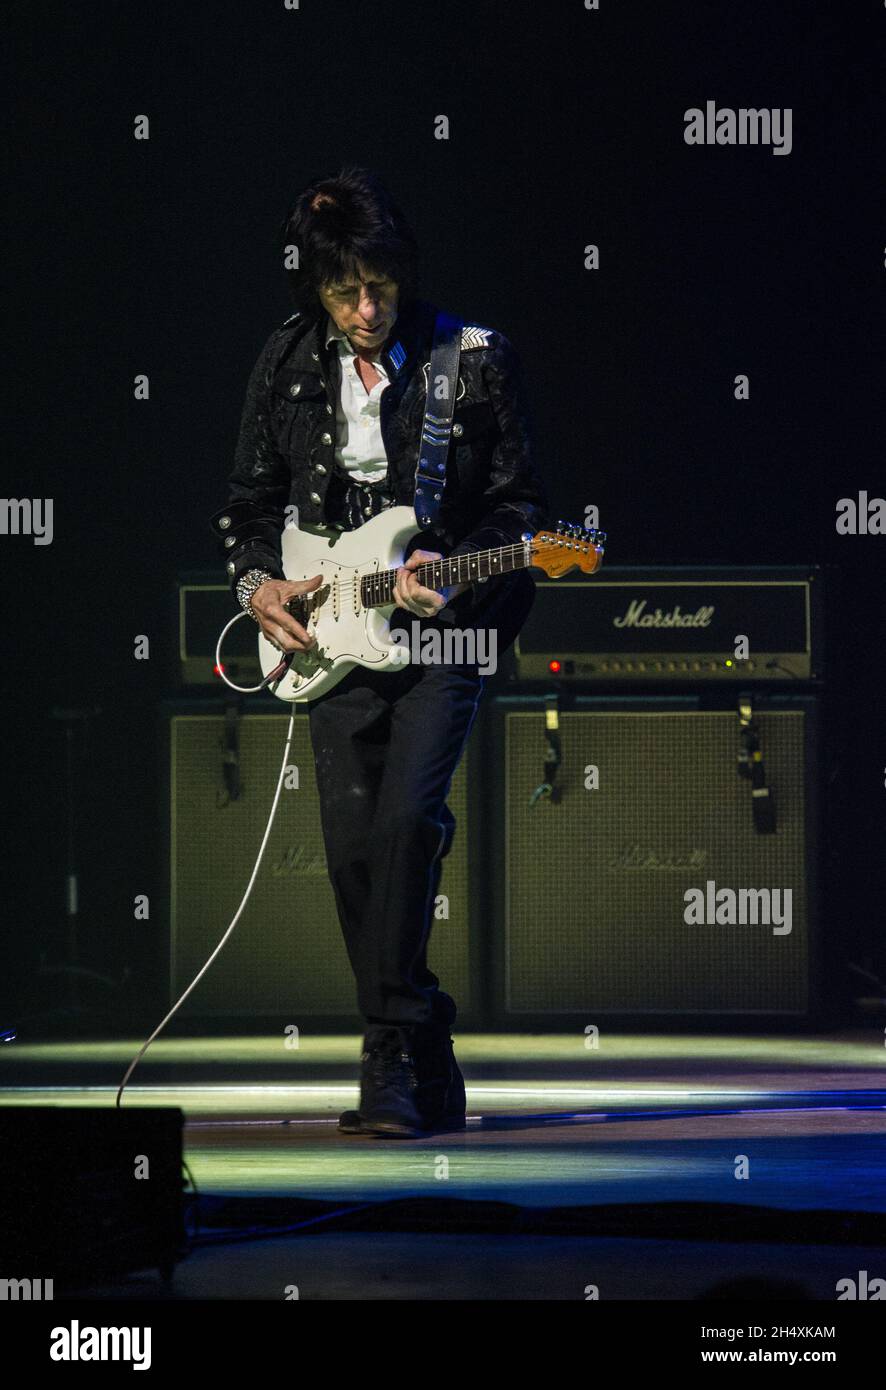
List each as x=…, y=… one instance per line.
x=286, y=452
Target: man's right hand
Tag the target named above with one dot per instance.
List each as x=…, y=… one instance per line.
x=277, y=624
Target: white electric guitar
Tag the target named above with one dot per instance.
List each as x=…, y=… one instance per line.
x=349, y=613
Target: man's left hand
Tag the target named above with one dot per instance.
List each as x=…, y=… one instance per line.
x=415, y=597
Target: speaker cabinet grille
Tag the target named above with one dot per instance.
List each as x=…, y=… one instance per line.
x=594, y=899
x=286, y=956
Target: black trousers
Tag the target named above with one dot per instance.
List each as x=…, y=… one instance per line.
x=386, y=746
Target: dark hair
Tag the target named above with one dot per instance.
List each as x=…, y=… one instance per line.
x=340, y=223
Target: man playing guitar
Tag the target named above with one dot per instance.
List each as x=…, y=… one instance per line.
x=331, y=427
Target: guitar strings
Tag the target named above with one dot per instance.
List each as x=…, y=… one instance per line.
x=384, y=580
x=384, y=577
x=381, y=578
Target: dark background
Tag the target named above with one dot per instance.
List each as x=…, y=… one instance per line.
x=125, y=257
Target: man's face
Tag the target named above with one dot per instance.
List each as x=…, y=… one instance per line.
x=364, y=307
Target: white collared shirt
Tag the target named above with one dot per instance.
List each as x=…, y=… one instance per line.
x=359, y=447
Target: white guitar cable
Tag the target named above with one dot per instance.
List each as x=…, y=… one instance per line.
x=274, y=676
x=245, y=899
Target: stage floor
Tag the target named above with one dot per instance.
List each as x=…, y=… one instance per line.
x=611, y=1168
x=641, y=1119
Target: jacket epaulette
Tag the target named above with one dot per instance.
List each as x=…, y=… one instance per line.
x=291, y=321
x=474, y=337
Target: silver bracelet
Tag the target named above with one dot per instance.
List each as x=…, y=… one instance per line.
x=247, y=585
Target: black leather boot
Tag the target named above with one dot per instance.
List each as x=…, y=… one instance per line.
x=439, y=1094
x=441, y=1087
x=388, y=1087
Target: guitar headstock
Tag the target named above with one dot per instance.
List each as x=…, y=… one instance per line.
x=557, y=552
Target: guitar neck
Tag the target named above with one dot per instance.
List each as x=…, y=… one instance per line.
x=377, y=590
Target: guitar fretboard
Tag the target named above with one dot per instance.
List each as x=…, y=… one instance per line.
x=377, y=590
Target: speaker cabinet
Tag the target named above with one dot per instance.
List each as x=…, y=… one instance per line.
x=286, y=957
x=590, y=901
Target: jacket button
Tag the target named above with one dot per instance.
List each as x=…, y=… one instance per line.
x=315, y=497
x=326, y=438
x=229, y=541
x=328, y=408
x=294, y=389
x=458, y=431
x=320, y=468
x=230, y=567
x=224, y=522
x=367, y=511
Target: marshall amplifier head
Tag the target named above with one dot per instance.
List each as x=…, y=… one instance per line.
x=645, y=624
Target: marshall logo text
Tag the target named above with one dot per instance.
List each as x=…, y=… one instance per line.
x=298, y=860
x=637, y=616
x=639, y=857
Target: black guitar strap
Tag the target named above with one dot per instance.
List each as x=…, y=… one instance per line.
x=436, y=430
